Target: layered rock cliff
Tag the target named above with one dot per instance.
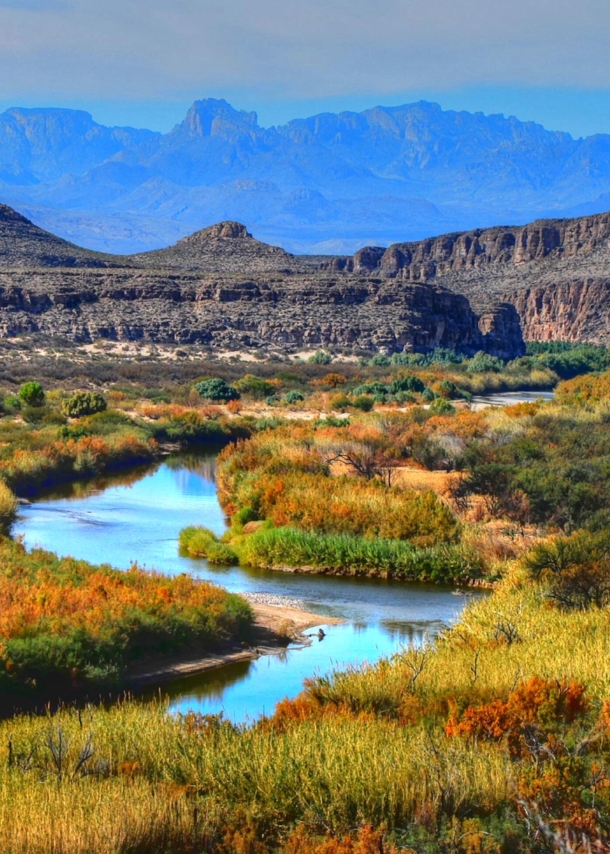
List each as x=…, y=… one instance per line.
x=282, y=312
x=555, y=272
x=222, y=288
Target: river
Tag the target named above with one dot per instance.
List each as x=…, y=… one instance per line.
x=136, y=516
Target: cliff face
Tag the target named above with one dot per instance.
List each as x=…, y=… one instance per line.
x=566, y=311
x=223, y=288
x=475, y=250
x=282, y=313
x=555, y=272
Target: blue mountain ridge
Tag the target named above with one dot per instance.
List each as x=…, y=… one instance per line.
x=329, y=183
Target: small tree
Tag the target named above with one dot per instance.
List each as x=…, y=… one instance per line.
x=333, y=380
x=217, y=390
x=483, y=363
x=32, y=394
x=576, y=568
x=84, y=403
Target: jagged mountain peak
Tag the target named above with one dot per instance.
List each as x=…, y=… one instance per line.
x=202, y=116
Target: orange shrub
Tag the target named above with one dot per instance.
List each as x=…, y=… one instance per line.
x=538, y=701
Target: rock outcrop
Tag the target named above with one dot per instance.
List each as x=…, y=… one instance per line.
x=555, y=272
x=281, y=313
x=222, y=288
x=226, y=247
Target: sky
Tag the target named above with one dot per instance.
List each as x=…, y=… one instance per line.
x=143, y=62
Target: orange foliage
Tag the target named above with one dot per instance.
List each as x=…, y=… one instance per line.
x=538, y=701
x=284, y=477
x=365, y=841
x=587, y=387
x=521, y=410
x=105, y=612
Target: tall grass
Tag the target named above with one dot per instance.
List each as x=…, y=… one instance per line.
x=8, y=503
x=156, y=784
x=345, y=554
x=366, y=746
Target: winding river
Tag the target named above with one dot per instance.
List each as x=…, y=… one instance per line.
x=136, y=516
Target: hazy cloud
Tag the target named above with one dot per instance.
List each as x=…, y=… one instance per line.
x=162, y=49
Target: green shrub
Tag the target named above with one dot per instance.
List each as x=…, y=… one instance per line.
x=363, y=402
x=293, y=396
x=320, y=358
x=410, y=383
x=254, y=386
x=217, y=390
x=12, y=402
x=482, y=363
x=84, y=403
x=428, y=394
x=440, y=406
x=197, y=541
x=32, y=394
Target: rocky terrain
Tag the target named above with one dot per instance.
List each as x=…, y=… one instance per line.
x=555, y=272
x=220, y=287
x=224, y=289
x=23, y=244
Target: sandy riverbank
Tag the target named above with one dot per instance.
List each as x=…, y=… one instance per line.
x=277, y=622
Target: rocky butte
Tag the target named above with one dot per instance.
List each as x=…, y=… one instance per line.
x=222, y=288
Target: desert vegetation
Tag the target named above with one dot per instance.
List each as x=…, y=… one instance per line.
x=491, y=739
x=66, y=624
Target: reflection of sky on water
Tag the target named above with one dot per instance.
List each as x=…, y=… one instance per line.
x=136, y=516
x=248, y=689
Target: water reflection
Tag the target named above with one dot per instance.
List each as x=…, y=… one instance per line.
x=507, y=398
x=136, y=516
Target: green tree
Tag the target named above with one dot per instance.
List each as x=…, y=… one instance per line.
x=482, y=363
x=254, y=386
x=32, y=394
x=320, y=358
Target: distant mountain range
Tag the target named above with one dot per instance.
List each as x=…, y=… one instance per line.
x=326, y=184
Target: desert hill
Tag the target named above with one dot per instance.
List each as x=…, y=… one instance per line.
x=224, y=289
x=23, y=244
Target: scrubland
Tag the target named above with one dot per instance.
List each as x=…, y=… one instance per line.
x=492, y=739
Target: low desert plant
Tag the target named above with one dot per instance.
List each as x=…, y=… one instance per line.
x=217, y=390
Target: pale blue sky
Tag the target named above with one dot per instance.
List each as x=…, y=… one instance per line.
x=143, y=62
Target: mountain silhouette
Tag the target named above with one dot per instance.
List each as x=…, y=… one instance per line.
x=324, y=184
